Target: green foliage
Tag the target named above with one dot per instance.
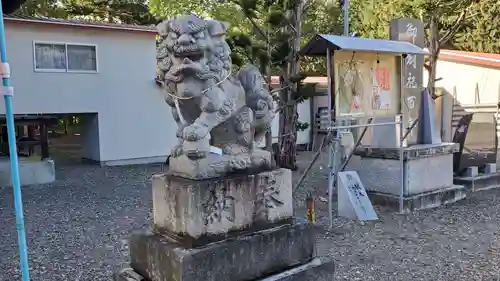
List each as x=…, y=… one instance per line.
x=478, y=32
x=296, y=78
x=228, y=11
x=113, y=10
x=301, y=126
x=248, y=6
x=46, y=8
x=236, y=59
x=275, y=18
x=322, y=17
x=9, y=6
x=241, y=40
x=481, y=33
x=279, y=55
x=129, y=12
x=304, y=92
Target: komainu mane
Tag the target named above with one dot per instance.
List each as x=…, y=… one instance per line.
x=215, y=110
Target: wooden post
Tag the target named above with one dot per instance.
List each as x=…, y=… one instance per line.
x=31, y=136
x=44, y=139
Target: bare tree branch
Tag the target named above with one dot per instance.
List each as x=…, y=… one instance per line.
x=307, y=4
x=289, y=104
x=427, y=67
x=258, y=28
x=280, y=89
x=453, y=30
x=292, y=27
x=252, y=21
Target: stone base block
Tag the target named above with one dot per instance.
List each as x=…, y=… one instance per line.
x=30, y=172
x=194, y=211
x=472, y=171
x=427, y=168
x=479, y=182
x=490, y=168
x=319, y=269
x=128, y=274
x=250, y=257
x=421, y=201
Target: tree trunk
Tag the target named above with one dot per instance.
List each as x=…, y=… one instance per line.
x=288, y=141
x=434, y=54
x=288, y=116
x=269, y=133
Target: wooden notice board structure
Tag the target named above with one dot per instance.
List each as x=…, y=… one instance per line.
x=364, y=82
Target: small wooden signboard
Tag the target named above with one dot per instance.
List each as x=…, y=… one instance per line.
x=353, y=202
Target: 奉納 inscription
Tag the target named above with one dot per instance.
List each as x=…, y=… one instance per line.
x=219, y=204
x=267, y=196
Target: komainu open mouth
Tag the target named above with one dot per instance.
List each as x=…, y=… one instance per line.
x=194, y=57
x=191, y=52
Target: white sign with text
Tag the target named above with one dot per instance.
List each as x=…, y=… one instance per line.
x=353, y=202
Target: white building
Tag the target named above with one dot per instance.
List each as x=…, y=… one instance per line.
x=468, y=73
x=104, y=70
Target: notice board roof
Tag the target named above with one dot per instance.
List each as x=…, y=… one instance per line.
x=321, y=42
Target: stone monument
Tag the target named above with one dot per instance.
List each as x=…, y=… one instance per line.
x=424, y=153
x=221, y=212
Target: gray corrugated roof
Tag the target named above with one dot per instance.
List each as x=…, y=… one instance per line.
x=81, y=23
x=321, y=42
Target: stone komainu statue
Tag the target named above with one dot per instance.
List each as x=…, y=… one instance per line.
x=212, y=106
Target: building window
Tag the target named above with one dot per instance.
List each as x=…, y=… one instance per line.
x=81, y=57
x=50, y=56
x=61, y=57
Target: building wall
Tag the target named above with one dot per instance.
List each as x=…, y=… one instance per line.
x=123, y=93
x=464, y=77
x=303, y=137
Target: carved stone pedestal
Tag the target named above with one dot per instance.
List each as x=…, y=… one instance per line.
x=238, y=228
x=199, y=211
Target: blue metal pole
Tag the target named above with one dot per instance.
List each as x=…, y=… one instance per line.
x=14, y=162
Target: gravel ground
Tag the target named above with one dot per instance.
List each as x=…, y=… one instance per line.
x=78, y=228
x=456, y=242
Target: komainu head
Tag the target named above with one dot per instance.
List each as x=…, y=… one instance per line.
x=190, y=45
